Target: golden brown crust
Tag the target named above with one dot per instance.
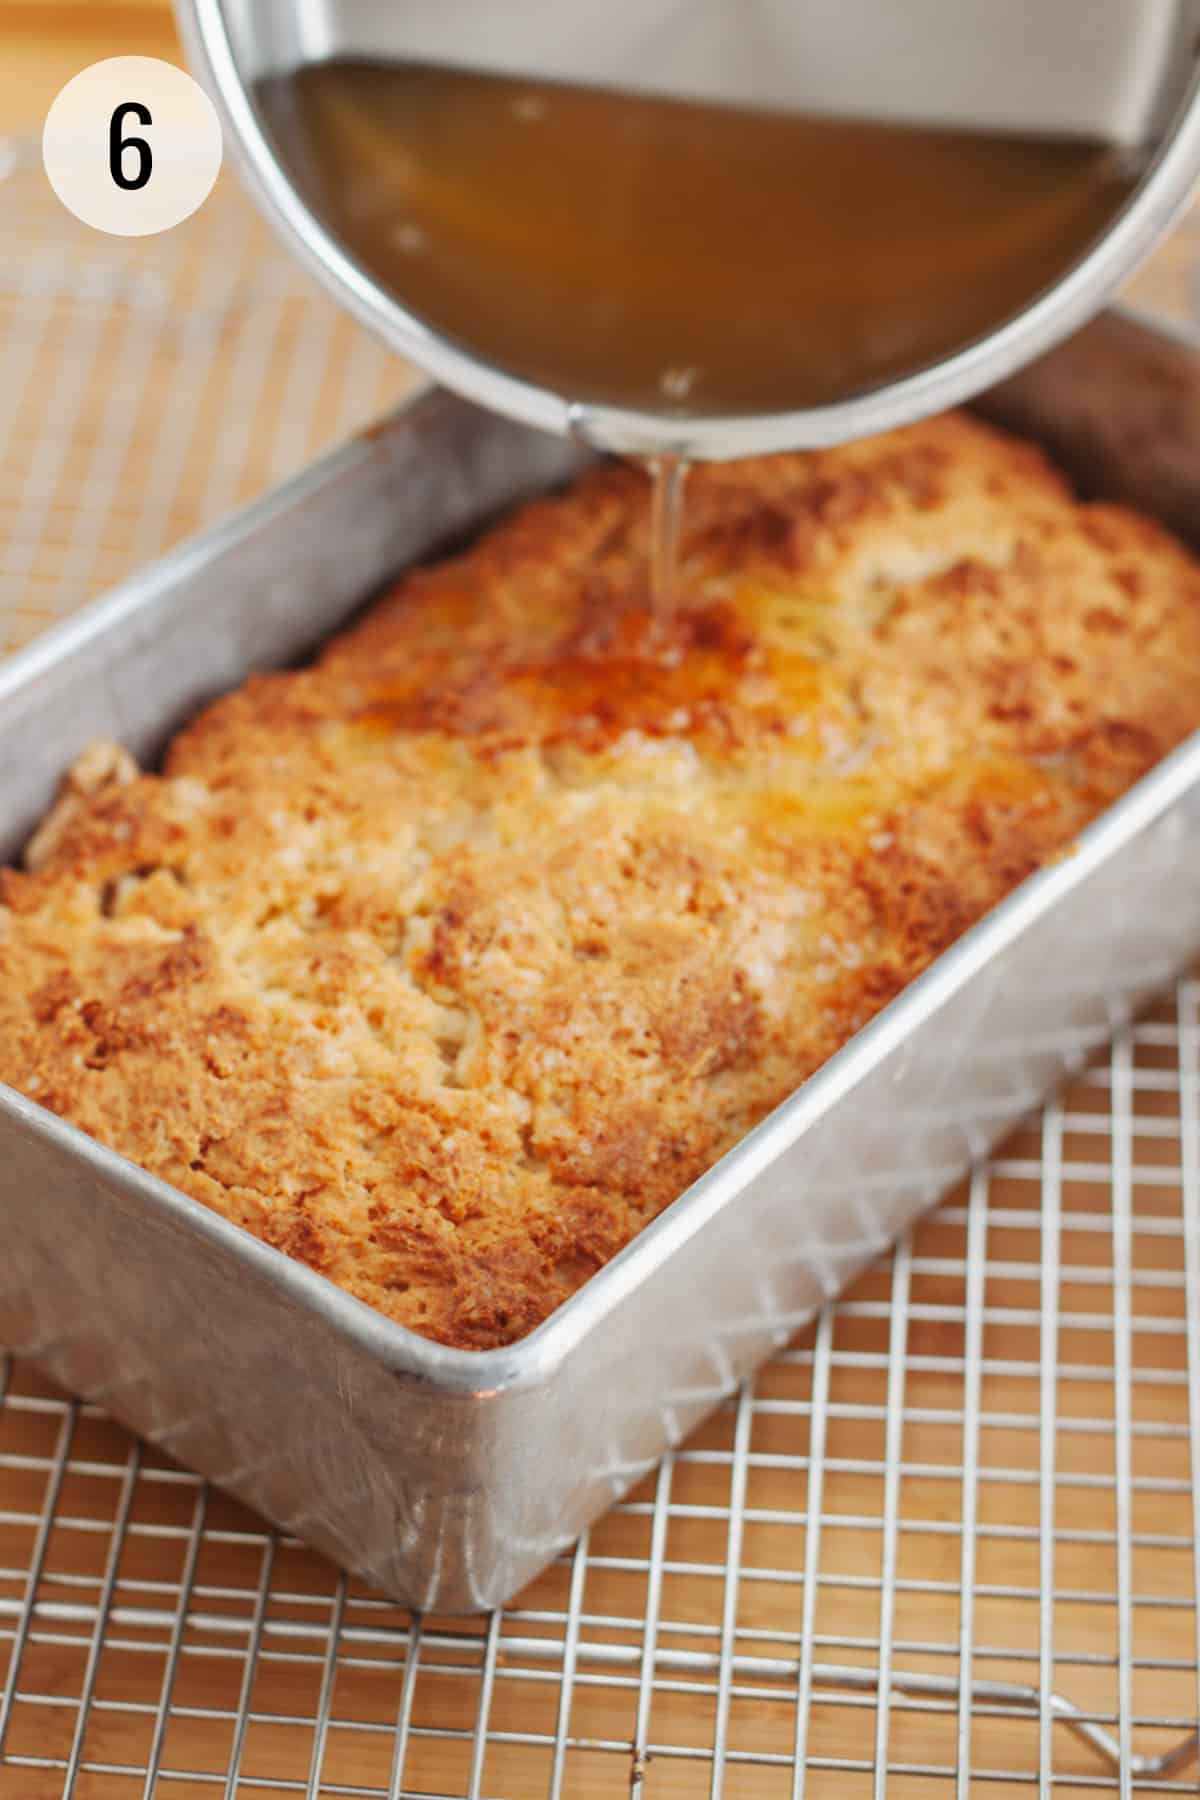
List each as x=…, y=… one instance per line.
x=446, y=964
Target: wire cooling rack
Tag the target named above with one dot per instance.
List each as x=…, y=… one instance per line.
x=946, y=1543
x=149, y=385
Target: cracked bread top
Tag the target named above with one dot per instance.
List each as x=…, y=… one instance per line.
x=445, y=964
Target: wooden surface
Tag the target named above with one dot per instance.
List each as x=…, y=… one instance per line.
x=41, y=45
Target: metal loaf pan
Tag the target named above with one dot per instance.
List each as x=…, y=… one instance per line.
x=448, y=1478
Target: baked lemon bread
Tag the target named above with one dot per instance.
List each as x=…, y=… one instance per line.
x=447, y=963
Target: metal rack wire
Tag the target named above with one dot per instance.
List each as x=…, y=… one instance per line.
x=946, y=1543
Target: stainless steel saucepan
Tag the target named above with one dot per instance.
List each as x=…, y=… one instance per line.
x=1121, y=73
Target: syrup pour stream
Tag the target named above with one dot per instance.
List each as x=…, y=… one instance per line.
x=668, y=475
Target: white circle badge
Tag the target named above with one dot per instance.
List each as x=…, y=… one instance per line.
x=132, y=145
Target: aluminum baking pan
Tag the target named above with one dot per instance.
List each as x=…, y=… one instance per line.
x=448, y=1478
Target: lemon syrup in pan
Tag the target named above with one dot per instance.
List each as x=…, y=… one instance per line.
x=677, y=257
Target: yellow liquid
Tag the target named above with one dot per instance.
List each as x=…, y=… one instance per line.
x=680, y=257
